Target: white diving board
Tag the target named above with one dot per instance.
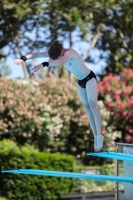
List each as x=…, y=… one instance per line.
x=70, y=175
x=112, y=155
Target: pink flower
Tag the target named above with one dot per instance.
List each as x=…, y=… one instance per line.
x=117, y=97
x=128, y=138
x=110, y=104
x=131, y=131
x=127, y=127
x=117, y=92
x=124, y=114
x=121, y=107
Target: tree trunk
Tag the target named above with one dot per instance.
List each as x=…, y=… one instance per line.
x=70, y=44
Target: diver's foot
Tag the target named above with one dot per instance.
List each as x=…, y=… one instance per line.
x=99, y=143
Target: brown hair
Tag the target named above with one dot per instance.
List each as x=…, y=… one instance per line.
x=55, y=50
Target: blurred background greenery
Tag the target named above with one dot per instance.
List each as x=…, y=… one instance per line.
x=43, y=124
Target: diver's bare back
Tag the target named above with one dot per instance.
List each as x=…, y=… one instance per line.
x=76, y=64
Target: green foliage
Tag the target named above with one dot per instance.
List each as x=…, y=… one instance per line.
x=37, y=16
x=13, y=16
x=14, y=186
x=113, y=19
x=4, y=69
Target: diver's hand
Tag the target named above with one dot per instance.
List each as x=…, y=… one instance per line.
x=37, y=67
x=19, y=61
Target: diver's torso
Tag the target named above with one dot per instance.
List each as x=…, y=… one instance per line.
x=76, y=66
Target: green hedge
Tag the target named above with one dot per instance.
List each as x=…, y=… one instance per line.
x=31, y=187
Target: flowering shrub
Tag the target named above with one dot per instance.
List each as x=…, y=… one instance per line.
x=117, y=93
x=47, y=114
x=24, y=118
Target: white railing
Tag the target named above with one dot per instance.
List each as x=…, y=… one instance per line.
x=117, y=166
